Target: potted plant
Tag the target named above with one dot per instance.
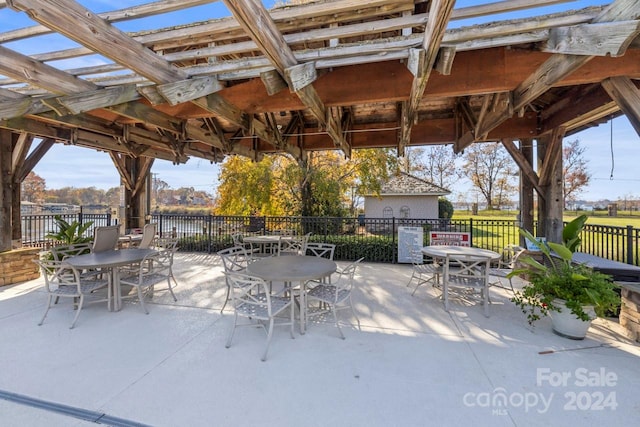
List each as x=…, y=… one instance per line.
x=572, y=294
x=70, y=233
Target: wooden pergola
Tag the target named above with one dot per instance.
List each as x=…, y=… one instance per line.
x=324, y=75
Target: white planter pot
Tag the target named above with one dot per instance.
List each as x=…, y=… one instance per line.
x=566, y=324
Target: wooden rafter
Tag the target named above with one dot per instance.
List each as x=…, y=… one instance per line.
x=119, y=163
x=627, y=96
x=77, y=23
x=439, y=14
x=554, y=69
x=25, y=69
x=259, y=25
x=339, y=35
x=81, y=25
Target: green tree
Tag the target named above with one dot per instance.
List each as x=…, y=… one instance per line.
x=445, y=208
x=322, y=184
x=245, y=187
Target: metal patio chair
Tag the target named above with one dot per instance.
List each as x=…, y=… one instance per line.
x=251, y=299
x=62, y=280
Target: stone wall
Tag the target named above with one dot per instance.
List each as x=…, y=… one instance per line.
x=17, y=265
x=630, y=309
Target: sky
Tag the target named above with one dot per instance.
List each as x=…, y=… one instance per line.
x=611, y=151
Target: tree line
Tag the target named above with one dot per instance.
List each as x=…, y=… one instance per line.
x=325, y=183
x=34, y=190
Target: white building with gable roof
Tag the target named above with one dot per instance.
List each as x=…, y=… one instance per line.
x=405, y=196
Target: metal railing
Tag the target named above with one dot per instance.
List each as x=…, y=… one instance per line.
x=36, y=227
x=373, y=238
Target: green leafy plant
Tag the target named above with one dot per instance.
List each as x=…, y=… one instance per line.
x=70, y=233
x=560, y=278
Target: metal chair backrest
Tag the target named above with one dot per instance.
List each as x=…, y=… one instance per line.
x=250, y=296
x=105, y=238
x=64, y=251
x=322, y=250
x=148, y=234
x=345, y=277
x=234, y=259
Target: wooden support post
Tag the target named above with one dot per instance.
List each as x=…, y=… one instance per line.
x=550, y=210
x=16, y=220
x=6, y=198
x=135, y=191
x=526, y=190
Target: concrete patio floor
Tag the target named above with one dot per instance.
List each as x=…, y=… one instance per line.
x=411, y=364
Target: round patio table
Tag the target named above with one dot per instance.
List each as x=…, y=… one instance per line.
x=442, y=251
x=290, y=269
x=110, y=260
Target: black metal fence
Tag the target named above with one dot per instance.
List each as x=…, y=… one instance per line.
x=36, y=227
x=372, y=238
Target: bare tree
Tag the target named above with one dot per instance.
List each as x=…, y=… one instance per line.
x=574, y=169
x=491, y=170
x=436, y=164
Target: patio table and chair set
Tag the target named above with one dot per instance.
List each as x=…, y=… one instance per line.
x=77, y=271
x=270, y=279
x=269, y=276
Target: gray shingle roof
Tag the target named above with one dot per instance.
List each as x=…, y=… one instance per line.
x=408, y=184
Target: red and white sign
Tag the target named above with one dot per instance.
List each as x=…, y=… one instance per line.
x=450, y=238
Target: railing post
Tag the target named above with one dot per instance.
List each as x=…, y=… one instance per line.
x=210, y=233
x=471, y=232
x=80, y=216
x=629, y=243
x=393, y=240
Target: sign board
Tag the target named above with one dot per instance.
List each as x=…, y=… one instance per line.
x=531, y=246
x=450, y=238
x=410, y=242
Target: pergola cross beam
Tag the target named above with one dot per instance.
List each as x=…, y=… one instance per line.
x=439, y=15
x=550, y=72
x=259, y=25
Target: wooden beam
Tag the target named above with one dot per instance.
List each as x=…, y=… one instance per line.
x=553, y=150
x=100, y=98
x=273, y=82
x=553, y=70
x=69, y=18
x=134, y=12
x=145, y=114
x=299, y=17
x=439, y=14
x=119, y=163
x=6, y=191
x=627, y=96
x=216, y=104
x=445, y=60
x=20, y=151
x=190, y=89
x=34, y=157
x=142, y=175
x=602, y=39
x=25, y=69
x=259, y=25
x=6, y=94
x=525, y=167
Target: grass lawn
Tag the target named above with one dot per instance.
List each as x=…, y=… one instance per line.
x=595, y=218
